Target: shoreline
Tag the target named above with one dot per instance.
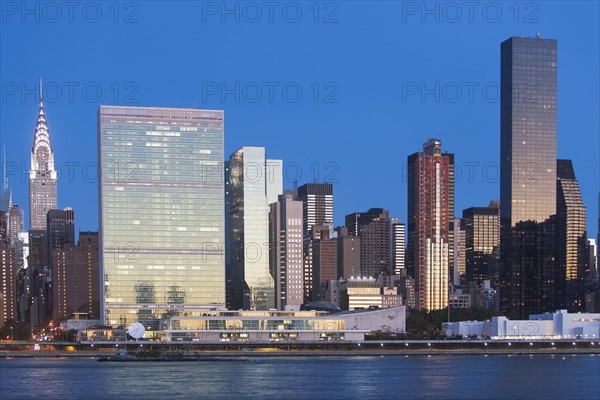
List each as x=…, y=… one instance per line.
x=237, y=354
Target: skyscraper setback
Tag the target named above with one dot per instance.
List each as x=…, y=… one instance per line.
x=430, y=211
x=161, y=212
x=42, y=176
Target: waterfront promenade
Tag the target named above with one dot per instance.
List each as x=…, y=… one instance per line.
x=296, y=349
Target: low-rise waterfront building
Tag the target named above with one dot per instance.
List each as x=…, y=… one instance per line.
x=558, y=325
x=216, y=326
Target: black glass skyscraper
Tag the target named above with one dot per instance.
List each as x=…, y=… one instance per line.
x=527, y=172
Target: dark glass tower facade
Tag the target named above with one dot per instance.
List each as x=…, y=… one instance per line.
x=528, y=84
x=527, y=130
x=482, y=234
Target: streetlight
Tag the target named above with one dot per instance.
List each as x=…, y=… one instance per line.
x=11, y=333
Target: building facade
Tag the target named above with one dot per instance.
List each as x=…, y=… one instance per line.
x=348, y=254
x=571, y=240
x=161, y=212
x=317, y=209
x=374, y=228
x=253, y=182
x=398, y=246
x=8, y=274
x=528, y=86
x=76, y=278
x=430, y=211
x=482, y=242
x=285, y=246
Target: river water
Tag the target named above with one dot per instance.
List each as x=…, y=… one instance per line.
x=391, y=377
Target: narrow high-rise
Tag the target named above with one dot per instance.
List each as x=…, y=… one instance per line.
x=162, y=208
x=398, y=246
x=430, y=211
x=252, y=183
x=317, y=209
x=42, y=176
x=571, y=240
x=5, y=190
x=285, y=246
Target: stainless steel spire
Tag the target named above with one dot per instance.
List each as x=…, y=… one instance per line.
x=42, y=176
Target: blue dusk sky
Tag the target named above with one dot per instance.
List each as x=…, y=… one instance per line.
x=341, y=91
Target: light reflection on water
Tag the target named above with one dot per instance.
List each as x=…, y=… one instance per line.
x=442, y=377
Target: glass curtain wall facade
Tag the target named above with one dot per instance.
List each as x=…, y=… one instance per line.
x=528, y=101
x=252, y=181
x=161, y=212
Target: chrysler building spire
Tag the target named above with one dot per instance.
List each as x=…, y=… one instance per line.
x=42, y=176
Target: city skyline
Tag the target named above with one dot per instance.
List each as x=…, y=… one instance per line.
x=386, y=114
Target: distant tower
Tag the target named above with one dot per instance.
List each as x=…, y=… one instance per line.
x=572, y=244
x=5, y=192
x=285, y=247
x=42, y=176
x=398, y=246
x=317, y=209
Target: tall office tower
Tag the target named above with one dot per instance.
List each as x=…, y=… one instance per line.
x=76, y=278
x=5, y=191
x=528, y=101
x=8, y=275
x=161, y=212
x=458, y=254
x=374, y=230
x=482, y=227
x=60, y=231
x=15, y=223
x=571, y=239
x=317, y=209
x=253, y=182
x=398, y=246
x=430, y=211
x=285, y=257
x=528, y=130
x=348, y=254
x=42, y=176
x=324, y=259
